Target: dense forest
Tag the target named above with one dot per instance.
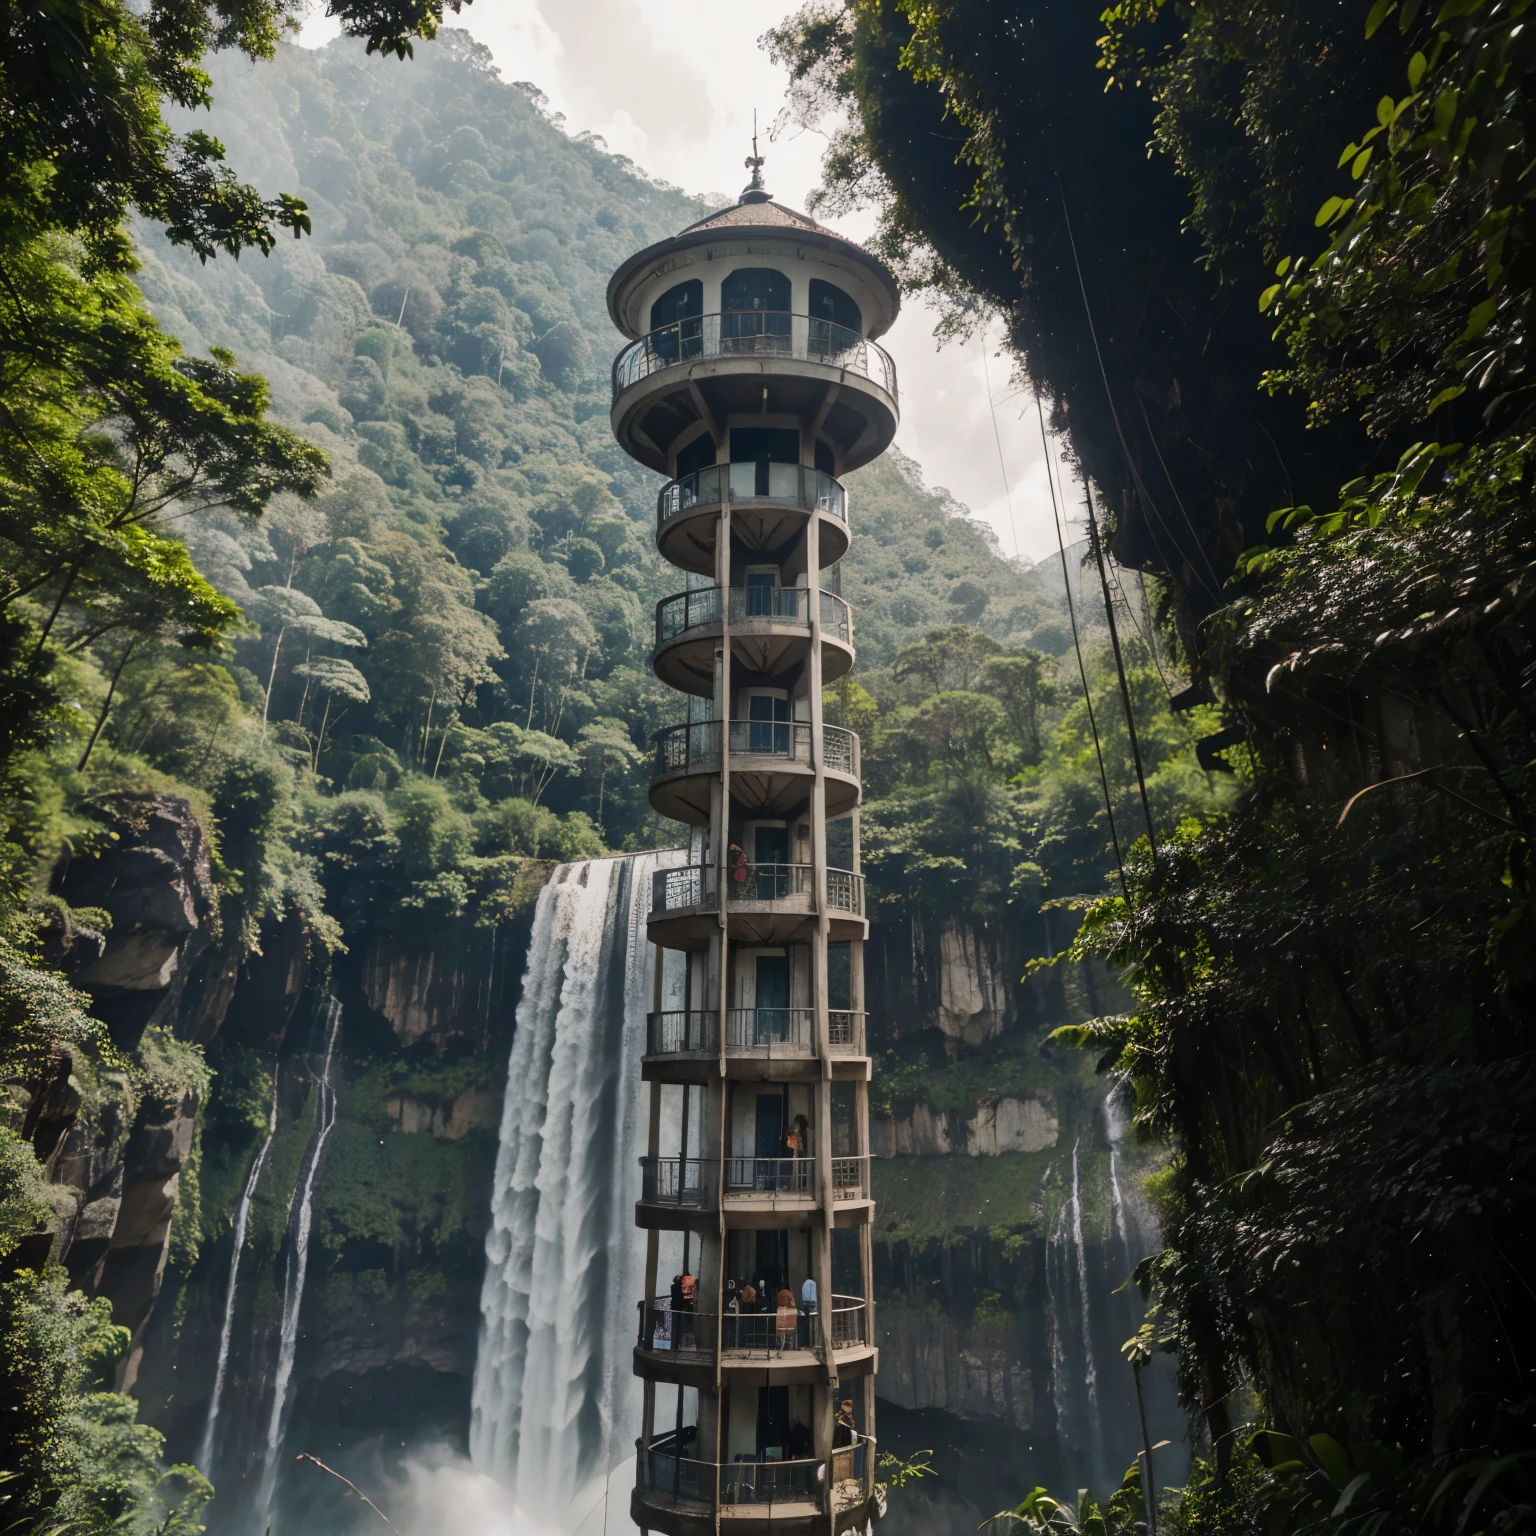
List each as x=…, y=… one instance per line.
x=325, y=629
x=324, y=632
x=1288, y=349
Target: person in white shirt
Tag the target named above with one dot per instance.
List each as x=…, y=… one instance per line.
x=807, y=1308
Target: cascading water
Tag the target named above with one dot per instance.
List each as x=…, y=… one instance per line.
x=1090, y=1368
x=298, y=1264
x=554, y=1401
x=242, y=1216
x=1074, y=1367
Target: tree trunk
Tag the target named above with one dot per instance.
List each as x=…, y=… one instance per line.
x=106, y=705
x=266, y=700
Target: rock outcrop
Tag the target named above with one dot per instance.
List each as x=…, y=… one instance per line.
x=998, y=1126
x=154, y=882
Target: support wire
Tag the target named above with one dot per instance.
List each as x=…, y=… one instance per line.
x=1077, y=645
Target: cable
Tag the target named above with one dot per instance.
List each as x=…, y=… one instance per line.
x=1125, y=450
x=997, y=437
x=1125, y=687
x=1082, y=670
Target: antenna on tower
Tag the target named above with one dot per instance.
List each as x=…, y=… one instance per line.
x=755, y=192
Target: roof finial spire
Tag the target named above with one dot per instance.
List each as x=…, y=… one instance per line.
x=754, y=191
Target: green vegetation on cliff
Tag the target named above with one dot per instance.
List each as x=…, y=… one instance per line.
x=1250, y=340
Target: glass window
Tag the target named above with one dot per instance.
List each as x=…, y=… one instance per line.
x=832, y=305
x=754, y=311
x=676, y=326
x=697, y=455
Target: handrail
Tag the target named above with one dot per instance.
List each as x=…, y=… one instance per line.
x=679, y=1031
x=676, y=1331
x=755, y=334
x=791, y=485
x=850, y=1178
x=749, y=606
x=661, y=1471
x=771, y=1176
x=764, y=1029
x=696, y=1031
x=845, y=1031
x=683, y=1181
x=698, y=885
x=696, y=744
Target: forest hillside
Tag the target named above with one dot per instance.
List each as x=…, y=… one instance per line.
x=333, y=640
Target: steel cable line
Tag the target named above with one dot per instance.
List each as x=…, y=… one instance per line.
x=1082, y=670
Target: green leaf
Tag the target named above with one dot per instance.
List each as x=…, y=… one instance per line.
x=1480, y=319
x=1378, y=14
x=1268, y=296
x=1328, y=212
x=1416, y=67
x=1446, y=395
x=1333, y=1459
x=1363, y=159
x=1282, y=266
x=1350, y=151
x=1385, y=108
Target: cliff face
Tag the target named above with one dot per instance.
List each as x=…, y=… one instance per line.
x=134, y=926
x=1008, y=1215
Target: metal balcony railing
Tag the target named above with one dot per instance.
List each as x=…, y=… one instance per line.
x=684, y=1333
x=682, y=1181
x=696, y=1031
x=682, y=1031
x=850, y=1178
x=794, y=1176
x=702, y=607
x=698, y=885
x=690, y=1335
x=753, y=334
x=845, y=1031
x=678, y=748
x=760, y=1333
x=789, y=485
x=763, y=1029
x=665, y=1477
x=848, y=1322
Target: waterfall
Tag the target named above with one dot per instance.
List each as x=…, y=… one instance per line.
x=242, y=1215
x=555, y=1404
x=1114, y=1131
x=1090, y=1371
x=298, y=1263
x=1080, y=1436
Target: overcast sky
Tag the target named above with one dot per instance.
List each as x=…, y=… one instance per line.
x=673, y=85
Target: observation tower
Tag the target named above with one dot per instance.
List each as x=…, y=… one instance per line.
x=753, y=382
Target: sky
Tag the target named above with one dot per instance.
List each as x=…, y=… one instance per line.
x=673, y=85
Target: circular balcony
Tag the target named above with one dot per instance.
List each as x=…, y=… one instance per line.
x=722, y=363
x=770, y=505
x=677, y=1192
x=680, y=1495
x=770, y=634
x=682, y=1345
x=771, y=768
x=753, y=1033
x=764, y=903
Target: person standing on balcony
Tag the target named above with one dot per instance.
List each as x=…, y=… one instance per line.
x=807, y=1310
x=689, y=1285
x=787, y=1319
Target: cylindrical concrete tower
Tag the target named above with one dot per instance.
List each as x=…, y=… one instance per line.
x=753, y=382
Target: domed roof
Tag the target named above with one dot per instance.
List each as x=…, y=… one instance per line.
x=754, y=215
x=754, y=212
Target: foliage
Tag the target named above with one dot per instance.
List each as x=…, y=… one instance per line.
x=1331, y=976
x=1123, y=1513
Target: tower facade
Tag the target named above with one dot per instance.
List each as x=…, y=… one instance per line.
x=753, y=382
